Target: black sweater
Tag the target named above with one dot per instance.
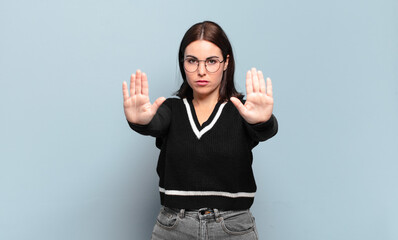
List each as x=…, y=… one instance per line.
x=208, y=165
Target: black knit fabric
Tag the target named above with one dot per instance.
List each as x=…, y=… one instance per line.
x=213, y=169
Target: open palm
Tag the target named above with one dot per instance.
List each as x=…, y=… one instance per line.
x=137, y=107
x=259, y=101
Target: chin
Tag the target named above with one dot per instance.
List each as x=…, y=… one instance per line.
x=203, y=92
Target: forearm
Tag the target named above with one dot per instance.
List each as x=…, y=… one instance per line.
x=263, y=131
x=158, y=126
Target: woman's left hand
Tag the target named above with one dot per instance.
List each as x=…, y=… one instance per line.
x=259, y=101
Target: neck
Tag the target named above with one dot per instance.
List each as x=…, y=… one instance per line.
x=208, y=100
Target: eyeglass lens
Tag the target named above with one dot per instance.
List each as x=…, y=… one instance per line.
x=192, y=64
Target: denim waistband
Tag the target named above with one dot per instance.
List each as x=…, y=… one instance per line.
x=204, y=213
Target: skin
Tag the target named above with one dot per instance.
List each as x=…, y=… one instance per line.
x=205, y=97
x=202, y=50
x=257, y=108
x=259, y=100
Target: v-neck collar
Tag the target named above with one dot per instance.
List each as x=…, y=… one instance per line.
x=208, y=124
x=195, y=116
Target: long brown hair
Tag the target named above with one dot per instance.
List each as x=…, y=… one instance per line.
x=212, y=32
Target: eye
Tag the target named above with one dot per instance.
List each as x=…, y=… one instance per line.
x=192, y=61
x=211, y=61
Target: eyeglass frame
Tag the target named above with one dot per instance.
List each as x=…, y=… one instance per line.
x=197, y=65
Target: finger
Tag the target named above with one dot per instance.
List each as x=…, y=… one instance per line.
x=262, y=82
x=269, y=87
x=132, y=84
x=138, y=82
x=239, y=105
x=125, y=91
x=157, y=104
x=256, y=85
x=144, y=83
x=249, y=83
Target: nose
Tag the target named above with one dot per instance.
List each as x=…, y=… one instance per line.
x=201, y=69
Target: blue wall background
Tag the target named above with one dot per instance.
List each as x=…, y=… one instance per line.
x=71, y=168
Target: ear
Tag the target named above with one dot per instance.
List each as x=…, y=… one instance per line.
x=226, y=63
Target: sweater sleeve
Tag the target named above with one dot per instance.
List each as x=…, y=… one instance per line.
x=263, y=131
x=159, y=124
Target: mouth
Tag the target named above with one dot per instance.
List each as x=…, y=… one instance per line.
x=202, y=82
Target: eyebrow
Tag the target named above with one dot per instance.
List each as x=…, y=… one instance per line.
x=206, y=58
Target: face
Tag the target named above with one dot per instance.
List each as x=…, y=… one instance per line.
x=203, y=82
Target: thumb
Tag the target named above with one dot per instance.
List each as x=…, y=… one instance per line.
x=157, y=104
x=239, y=105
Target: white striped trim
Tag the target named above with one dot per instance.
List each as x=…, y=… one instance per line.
x=207, y=193
x=200, y=133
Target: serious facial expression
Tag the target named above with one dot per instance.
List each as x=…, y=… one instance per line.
x=203, y=82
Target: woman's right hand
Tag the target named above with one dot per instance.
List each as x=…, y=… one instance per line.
x=137, y=107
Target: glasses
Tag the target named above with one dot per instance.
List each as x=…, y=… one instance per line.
x=212, y=64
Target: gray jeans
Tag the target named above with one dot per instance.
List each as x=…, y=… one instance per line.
x=206, y=224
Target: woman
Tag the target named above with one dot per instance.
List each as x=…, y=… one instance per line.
x=205, y=137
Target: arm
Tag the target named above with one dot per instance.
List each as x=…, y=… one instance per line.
x=263, y=131
x=159, y=124
x=257, y=109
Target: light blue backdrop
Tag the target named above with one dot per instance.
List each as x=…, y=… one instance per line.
x=71, y=169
